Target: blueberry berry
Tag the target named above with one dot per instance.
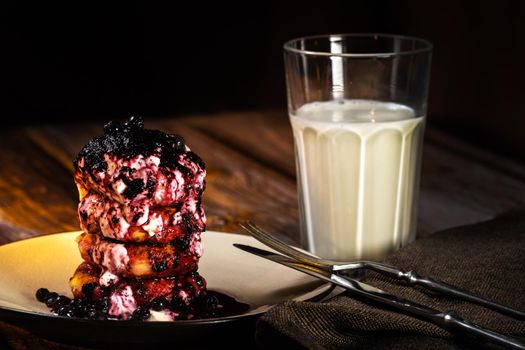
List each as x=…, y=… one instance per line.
x=159, y=266
x=78, y=307
x=88, y=289
x=62, y=300
x=140, y=314
x=66, y=311
x=104, y=304
x=177, y=303
x=198, y=280
x=211, y=302
x=91, y=313
x=183, y=243
x=42, y=294
x=86, y=307
x=112, y=127
x=159, y=304
x=51, y=299
x=134, y=122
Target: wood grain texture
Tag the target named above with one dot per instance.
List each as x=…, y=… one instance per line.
x=251, y=175
x=35, y=197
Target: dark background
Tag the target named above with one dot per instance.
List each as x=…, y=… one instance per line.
x=78, y=61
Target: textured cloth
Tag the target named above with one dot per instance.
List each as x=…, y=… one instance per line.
x=486, y=258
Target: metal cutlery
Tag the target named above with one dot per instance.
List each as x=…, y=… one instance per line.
x=409, y=277
x=339, y=274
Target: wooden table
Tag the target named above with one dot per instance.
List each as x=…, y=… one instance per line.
x=251, y=174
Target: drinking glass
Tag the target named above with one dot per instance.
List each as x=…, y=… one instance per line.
x=357, y=106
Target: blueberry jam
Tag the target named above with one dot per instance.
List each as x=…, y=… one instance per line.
x=130, y=139
x=210, y=304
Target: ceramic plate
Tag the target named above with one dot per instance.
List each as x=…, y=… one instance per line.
x=48, y=261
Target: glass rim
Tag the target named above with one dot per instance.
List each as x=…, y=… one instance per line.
x=427, y=45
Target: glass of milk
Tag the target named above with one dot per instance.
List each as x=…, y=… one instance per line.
x=357, y=105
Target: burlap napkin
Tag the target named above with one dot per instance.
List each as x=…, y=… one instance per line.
x=486, y=258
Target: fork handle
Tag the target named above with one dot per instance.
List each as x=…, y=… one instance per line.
x=413, y=279
x=448, y=320
x=455, y=322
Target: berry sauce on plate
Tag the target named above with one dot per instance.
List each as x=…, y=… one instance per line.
x=209, y=304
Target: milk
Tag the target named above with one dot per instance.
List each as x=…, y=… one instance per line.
x=358, y=176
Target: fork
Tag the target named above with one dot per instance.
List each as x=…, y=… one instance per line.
x=409, y=277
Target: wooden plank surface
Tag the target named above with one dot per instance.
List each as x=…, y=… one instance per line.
x=251, y=174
